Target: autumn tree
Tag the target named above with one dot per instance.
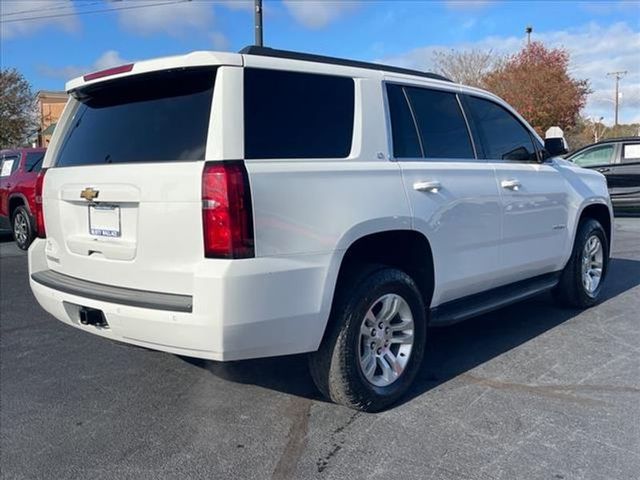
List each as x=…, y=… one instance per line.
x=468, y=67
x=17, y=109
x=536, y=82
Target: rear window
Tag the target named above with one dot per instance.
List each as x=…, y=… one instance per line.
x=297, y=115
x=33, y=162
x=155, y=117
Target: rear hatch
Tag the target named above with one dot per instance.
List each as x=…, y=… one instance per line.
x=122, y=200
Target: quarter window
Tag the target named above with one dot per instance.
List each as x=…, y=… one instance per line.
x=501, y=134
x=601, y=155
x=297, y=115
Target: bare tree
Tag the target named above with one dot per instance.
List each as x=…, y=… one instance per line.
x=17, y=109
x=466, y=66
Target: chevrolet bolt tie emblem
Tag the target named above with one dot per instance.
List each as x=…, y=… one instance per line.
x=89, y=194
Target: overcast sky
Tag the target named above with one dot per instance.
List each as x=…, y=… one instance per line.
x=602, y=36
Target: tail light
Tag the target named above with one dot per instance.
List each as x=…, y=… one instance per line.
x=227, y=219
x=108, y=72
x=39, y=210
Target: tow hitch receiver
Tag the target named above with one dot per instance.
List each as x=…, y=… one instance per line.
x=91, y=316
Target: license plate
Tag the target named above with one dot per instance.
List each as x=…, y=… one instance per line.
x=104, y=220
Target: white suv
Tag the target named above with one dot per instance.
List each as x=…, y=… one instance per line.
x=232, y=206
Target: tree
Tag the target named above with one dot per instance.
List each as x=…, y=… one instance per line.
x=536, y=82
x=587, y=131
x=17, y=109
x=584, y=132
x=468, y=67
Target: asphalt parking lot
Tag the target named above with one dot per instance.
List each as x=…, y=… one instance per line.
x=529, y=392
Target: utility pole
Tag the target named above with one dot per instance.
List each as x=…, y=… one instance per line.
x=618, y=76
x=258, y=22
x=528, y=31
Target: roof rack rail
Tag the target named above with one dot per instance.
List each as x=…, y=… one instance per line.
x=308, y=57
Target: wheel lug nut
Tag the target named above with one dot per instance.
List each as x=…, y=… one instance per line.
x=386, y=330
x=379, y=351
x=373, y=332
x=373, y=345
x=380, y=325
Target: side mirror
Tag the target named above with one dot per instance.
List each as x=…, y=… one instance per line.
x=555, y=147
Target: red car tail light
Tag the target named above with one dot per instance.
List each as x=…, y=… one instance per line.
x=227, y=218
x=39, y=212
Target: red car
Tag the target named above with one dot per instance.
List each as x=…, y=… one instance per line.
x=19, y=170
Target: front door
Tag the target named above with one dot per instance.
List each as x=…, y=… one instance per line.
x=534, y=195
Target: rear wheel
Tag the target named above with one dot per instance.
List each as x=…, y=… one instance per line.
x=583, y=277
x=375, y=341
x=22, y=228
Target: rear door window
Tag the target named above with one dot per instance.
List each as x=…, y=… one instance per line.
x=297, y=115
x=155, y=117
x=442, y=127
x=502, y=136
x=403, y=127
x=630, y=152
x=9, y=165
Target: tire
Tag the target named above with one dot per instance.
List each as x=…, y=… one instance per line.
x=572, y=291
x=336, y=366
x=22, y=226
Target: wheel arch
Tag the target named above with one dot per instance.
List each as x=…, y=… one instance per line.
x=403, y=248
x=16, y=200
x=602, y=213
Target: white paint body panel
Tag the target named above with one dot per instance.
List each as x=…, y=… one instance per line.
x=306, y=215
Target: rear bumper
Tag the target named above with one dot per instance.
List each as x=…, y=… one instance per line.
x=237, y=310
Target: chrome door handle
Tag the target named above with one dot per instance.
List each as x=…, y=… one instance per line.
x=431, y=186
x=511, y=184
x=603, y=170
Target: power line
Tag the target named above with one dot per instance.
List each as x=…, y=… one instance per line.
x=59, y=15
x=65, y=5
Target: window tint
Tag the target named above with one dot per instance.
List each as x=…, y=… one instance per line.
x=601, y=155
x=34, y=162
x=403, y=128
x=502, y=136
x=631, y=152
x=155, y=117
x=442, y=127
x=297, y=115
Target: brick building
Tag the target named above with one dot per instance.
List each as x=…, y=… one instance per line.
x=50, y=106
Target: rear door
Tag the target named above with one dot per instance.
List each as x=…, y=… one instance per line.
x=534, y=195
x=624, y=176
x=453, y=195
x=122, y=202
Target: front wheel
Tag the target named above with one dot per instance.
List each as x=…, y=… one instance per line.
x=583, y=277
x=375, y=341
x=22, y=228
